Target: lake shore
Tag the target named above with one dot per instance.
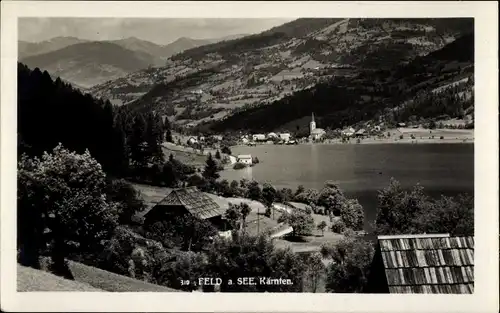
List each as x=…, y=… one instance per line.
x=420, y=136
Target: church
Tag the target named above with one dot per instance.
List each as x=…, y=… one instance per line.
x=315, y=133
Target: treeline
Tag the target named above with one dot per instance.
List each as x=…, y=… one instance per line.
x=52, y=112
x=127, y=143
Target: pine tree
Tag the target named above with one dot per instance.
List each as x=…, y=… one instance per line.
x=210, y=171
x=154, y=138
x=136, y=142
x=217, y=155
x=168, y=130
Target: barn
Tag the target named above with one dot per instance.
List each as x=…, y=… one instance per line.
x=191, y=201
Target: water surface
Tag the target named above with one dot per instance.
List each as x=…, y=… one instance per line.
x=362, y=170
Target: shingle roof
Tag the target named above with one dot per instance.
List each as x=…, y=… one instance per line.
x=428, y=263
x=195, y=201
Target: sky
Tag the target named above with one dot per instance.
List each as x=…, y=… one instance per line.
x=159, y=31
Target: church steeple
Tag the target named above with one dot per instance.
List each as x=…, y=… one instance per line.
x=312, y=124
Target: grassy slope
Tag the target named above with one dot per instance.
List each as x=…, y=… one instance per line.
x=29, y=279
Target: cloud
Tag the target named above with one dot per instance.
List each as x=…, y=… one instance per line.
x=161, y=31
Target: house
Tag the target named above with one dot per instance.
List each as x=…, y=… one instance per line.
x=245, y=159
x=182, y=201
x=285, y=137
x=360, y=133
x=244, y=140
x=192, y=140
x=272, y=136
x=259, y=137
x=429, y=263
x=217, y=137
x=348, y=132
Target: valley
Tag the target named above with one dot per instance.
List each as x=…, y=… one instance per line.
x=266, y=82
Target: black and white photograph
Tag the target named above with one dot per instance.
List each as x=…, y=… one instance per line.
x=206, y=155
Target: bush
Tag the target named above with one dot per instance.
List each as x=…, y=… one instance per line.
x=338, y=226
x=239, y=166
x=400, y=136
x=442, y=137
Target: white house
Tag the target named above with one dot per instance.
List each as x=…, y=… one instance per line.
x=192, y=140
x=244, y=140
x=245, y=159
x=348, y=131
x=272, y=135
x=285, y=137
x=258, y=137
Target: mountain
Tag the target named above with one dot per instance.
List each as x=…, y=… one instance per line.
x=90, y=63
x=435, y=86
x=163, y=52
x=214, y=81
x=26, y=49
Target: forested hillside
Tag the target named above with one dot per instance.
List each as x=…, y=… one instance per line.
x=52, y=112
x=430, y=86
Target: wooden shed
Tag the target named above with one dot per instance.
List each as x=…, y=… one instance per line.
x=429, y=263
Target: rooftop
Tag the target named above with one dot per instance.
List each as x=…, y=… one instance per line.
x=244, y=156
x=429, y=263
x=195, y=201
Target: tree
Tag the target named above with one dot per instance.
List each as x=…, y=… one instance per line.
x=170, y=177
x=301, y=222
x=309, y=196
x=137, y=142
x=187, y=266
x=300, y=189
x=185, y=232
x=453, y=215
x=233, y=214
x=128, y=199
x=254, y=192
x=235, y=189
x=127, y=253
x=268, y=195
x=332, y=198
x=64, y=193
x=168, y=130
x=226, y=150
x=217, y=155
x=245, y=211
x=397, y=209
x=352, y=258
x=284, y=195
x=352, y=214
x=322, y=226
x=250, y=256
x=210, y=172
x=154, y=138
x=338, y=226
x=314, y=270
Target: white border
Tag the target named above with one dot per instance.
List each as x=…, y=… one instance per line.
x=485, y=297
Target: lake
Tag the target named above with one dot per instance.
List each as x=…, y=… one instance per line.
x=362, y=170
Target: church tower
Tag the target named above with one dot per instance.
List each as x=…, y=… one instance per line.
x=312, y=125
